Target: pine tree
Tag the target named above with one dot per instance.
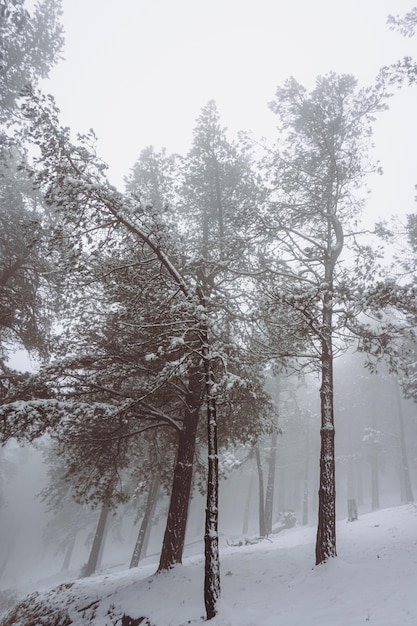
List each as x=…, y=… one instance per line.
x=30, y=44
x=314, y=172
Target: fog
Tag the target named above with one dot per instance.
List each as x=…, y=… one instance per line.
x=139, y=74
x=369, y=469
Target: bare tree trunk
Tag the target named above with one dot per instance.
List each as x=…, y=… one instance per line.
x=350, y=473
x=359, y=479
x=69, y=551
x=375, y=477
x=326, y=530
x=306, y=478
x=245, y=526
x=8, y=553
x=148, y=531
x=405, y=469
x=262, y=530
x=375, y=448
x=98, y=542
x=282, y=480
x=211, y=537
x=103, y=543
x=174, y=537
x=146, y=521
x=270, y=485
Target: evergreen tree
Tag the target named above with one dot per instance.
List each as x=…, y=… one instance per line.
x=211, y=198
x=29, y=46
x=73, y=182
x=317, y=166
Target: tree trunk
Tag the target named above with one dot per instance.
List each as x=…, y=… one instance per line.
x=103, y=543
x=174, y=536
x=306, y=478
x=8, y=553
x=211, y=537
x=352, y=510
x=405, y=469
x=219, y=202
x=146, y=521
x=350, y=466
x=270, y=485
x=98, y=542
x=326, y=531
x=246, y=511
x=282, y=480
x=375, y=477
x=69, y=551
x=359, y=480
x=262, y=530
x=145, y=545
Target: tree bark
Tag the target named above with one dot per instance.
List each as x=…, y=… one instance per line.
x=211, y=537
x=262, y=529
x=174, y=536
x=146, y=521
x=306, y=477
x=326, y=531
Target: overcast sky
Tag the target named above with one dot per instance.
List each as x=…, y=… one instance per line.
x=139, y=71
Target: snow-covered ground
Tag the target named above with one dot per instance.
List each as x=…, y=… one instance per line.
x=271, y=583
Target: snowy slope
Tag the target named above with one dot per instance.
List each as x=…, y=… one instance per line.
x=267, y=584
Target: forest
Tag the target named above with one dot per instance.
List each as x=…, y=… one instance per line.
x=224, y=349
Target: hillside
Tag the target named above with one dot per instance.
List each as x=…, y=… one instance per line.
x=269, y=583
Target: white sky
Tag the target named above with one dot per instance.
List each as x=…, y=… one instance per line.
x=139, y=71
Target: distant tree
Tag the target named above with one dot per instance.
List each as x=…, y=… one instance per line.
x=24, y=268
x=266, y=491
x=404, y=70
x=405, y=478
x=272, y=461
x=373, y=440
x=8, y=468
x=155, y=180
x=68, y=516
x=406, y=25
x=97, y=547
x=146, y=520
x=30, y=44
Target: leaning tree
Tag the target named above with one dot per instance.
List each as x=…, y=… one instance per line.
x=89, y=216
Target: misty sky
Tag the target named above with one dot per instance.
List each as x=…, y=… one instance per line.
x=139, y=71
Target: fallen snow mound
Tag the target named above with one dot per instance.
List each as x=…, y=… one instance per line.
x=269, y=583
